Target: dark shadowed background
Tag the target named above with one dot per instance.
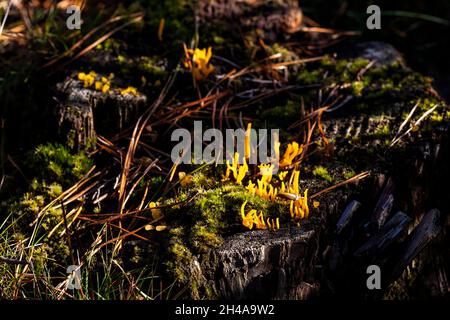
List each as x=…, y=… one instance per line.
x=418, y=28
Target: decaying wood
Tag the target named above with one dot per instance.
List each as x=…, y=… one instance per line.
x=387, y=246
x=387, y=234
x=384, y=205
x=426, y=231
x=347, y=216
x=255, y=265
x=81, y=111
x=261, y=264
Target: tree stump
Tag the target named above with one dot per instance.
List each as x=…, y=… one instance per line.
x=84, y=112
x=320, y=258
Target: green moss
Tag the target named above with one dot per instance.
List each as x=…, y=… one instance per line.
x=199, y=226
x=218, y=40
x=283, y=113
x=180, y=257
x=110, y=44
x=357, y=65
x=136, y=257
x=91, y=143
x=382, y=131
x=330, y=72
x=203, y=181
x=178, y=15
x=285, y=54
x=71, y=139
x=54, y=162
x=203, y=238
x=52, y=168
x=26, y=210
x=349, y=174
x=152, y=66
x=358, y=87
x=122, y=59
x=306, y=77
x=322, y=172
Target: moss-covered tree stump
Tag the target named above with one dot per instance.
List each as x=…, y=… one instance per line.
x=393, y=125
x=84, y=110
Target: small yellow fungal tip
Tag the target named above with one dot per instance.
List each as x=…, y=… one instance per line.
x=282, y=175
x=105, y=88
x=185, y=179
x=247, y=141
x=243, y=208
x=161, y=29
x=129, y=90
x=156, y=212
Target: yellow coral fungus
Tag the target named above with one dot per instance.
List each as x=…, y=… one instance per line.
x=88, y=79
x=292, y=186
x=268, y=188
x=247, y=145
x=293, y=150
x=277, y=150
x=262, y=189
x=162, y=22
x=295, y=176
x=92, y=80
x=283, y=187
x=149, y=227
x=272, y=194
x=266, y=171
x=239, y=171
x=299, y=208
x=128, y=90
x=98, y=85
x=185, y=179
x=247, y=219
x=252, y=219
x=106, y=87
x=156, y=213
x=282, y=175
x=198, y=62
x=258, y=220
